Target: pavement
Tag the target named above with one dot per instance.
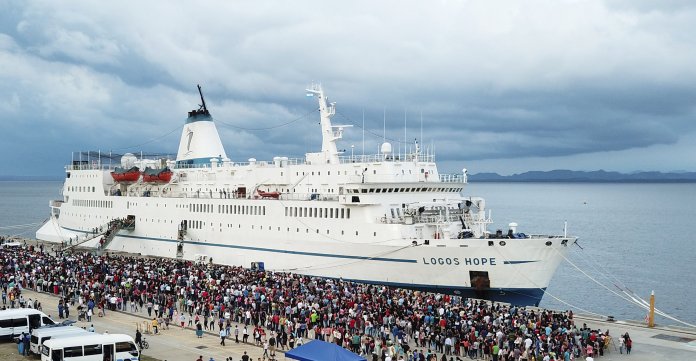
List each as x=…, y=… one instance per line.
x=174, y=344
x=649, y=344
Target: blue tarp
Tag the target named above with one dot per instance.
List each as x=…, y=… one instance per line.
x=318, y=350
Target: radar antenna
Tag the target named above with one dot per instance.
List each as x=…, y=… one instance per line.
x=202, y=106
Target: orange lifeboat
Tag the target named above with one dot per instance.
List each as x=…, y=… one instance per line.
x=123, y=175
x=273, y=195
x=163, y=175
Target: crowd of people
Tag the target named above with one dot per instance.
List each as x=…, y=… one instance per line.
x=280, y=311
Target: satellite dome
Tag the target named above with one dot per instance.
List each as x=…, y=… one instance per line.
x=128, y=160
x=386, y=148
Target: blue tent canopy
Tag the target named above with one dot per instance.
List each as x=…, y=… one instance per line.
x=318, y=350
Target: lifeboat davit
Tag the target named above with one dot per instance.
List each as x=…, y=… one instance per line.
x=123, y=175
x=162, y=175
x=262, y=194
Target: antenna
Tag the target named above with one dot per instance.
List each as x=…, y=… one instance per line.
x=421, y=135
x=205, y=109
x=384, y=136
x=363, y=129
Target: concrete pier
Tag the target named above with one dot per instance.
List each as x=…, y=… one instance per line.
x=175, y=343
x=659, y=343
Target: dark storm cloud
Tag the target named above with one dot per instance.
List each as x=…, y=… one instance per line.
x=504, y=82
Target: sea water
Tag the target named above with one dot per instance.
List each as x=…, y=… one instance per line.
x=638, y=237
x=635, y=236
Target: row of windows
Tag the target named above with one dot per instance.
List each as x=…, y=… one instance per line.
x=92, y=203
x=201, y=208
x=319, y=173
x=297, y=230
x=397, y=190
x=234, y=209
x=228, y=209
x=81, y=189
x=306, y=212
x=192, y=224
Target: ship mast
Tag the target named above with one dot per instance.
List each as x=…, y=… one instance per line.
x=329, y=133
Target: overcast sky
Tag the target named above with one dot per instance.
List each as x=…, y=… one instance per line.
x=503, y=86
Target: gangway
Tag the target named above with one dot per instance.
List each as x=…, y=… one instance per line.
x=110, y=232
x=183, y=228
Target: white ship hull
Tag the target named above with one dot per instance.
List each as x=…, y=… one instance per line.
x=389, y=220
x=519, y=271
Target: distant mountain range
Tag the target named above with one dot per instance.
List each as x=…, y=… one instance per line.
x=580, y=176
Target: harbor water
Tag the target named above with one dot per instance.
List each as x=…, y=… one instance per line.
x=634, y=236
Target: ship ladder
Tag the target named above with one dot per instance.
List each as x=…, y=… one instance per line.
x=180, y=240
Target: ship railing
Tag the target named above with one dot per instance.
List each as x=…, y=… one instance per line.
x=308, y=197
x=409, y=219
x=375, y=158
x=95, y=166
x=537, y=236
x=453, y=178
x=452, y=217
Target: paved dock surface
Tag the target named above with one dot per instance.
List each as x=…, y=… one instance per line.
x=174, y=344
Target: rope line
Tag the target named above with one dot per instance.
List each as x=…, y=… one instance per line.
x=271, y=127
x=631, y=299
x=549, y=293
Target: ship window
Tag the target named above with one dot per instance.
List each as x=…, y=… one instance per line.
x=356, y=233
x=298, y=230
x=327, y=231
x=372, y=190
x=307, y=230
x=331, y=212
x=343, y=232
x=343, y=213
x=374, y=234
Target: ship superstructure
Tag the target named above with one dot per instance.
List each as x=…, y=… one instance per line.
x=385, y=218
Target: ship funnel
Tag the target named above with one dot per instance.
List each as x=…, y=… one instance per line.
x=200, y=140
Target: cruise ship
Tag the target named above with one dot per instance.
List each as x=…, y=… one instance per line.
x=388, y=218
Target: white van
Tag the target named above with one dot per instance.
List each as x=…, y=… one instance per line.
x=15, y=321
x=43, y=334
x=92, y=347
